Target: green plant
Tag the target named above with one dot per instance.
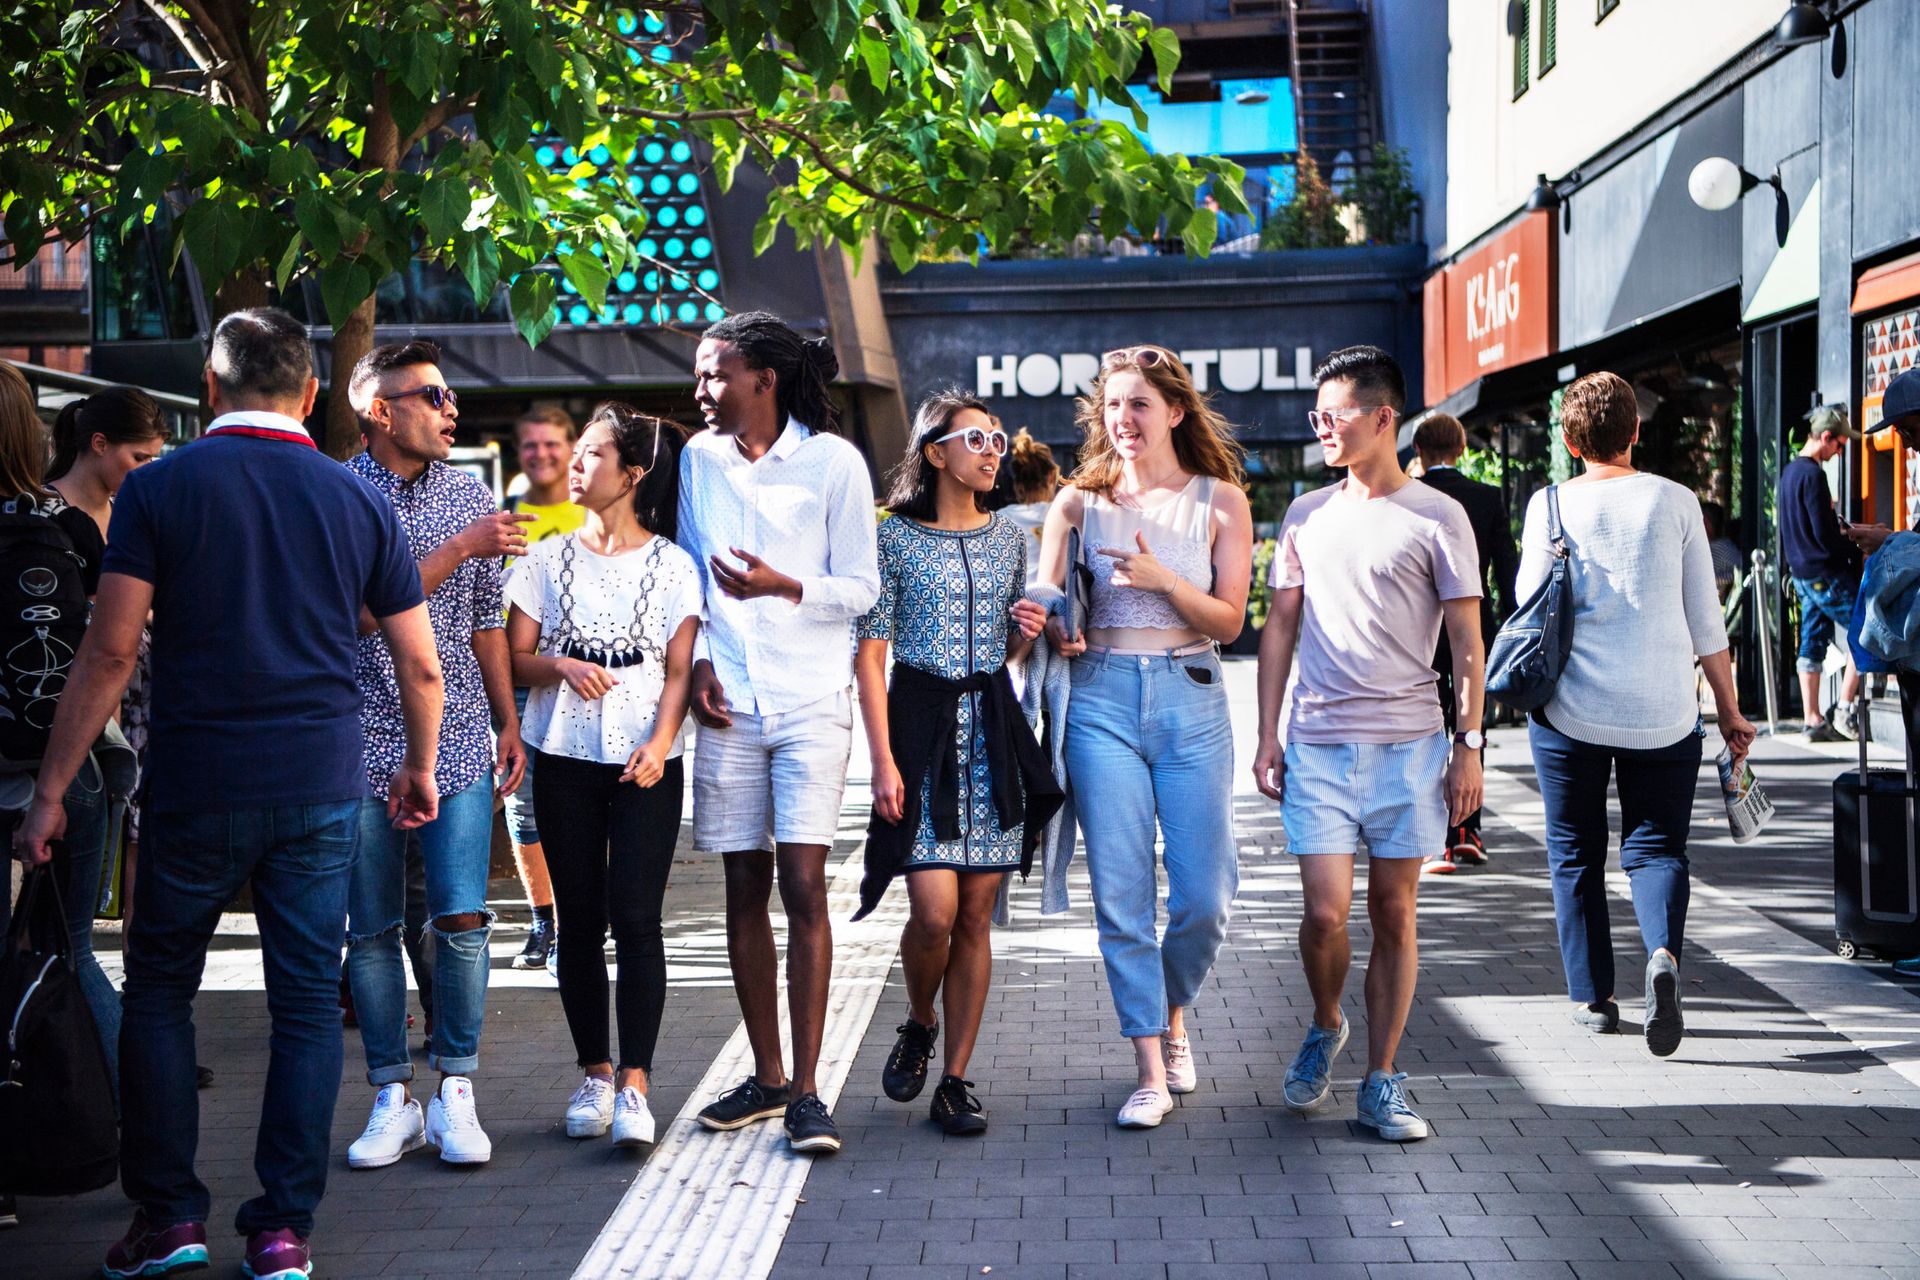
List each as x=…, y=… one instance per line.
x=1311, y=219
x=1384, y=191
x=1483, y=465
x=343, y=141
x=1260, y=596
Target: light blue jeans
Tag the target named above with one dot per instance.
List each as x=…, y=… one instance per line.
x=1148, y=738
x=456, y=847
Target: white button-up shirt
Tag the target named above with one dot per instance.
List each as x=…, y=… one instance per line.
x=806, y=508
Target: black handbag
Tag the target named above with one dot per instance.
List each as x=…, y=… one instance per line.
x=57, y=1129
x=1531, y=649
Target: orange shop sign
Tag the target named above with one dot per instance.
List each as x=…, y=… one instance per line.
x=1493, y=309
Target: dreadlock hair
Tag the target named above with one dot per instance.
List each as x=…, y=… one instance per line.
x=802, y=367
x=916, y=481
x=654, y=443
x=124, y=415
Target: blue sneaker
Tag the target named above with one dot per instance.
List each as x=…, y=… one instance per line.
x=1310, y=1078
x=1383, y=1107
x=1907, y=968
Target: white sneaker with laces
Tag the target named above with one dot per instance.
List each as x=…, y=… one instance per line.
x=454, y=1126
x=590, y=1109
x=632, y=1120
x=394, y=1128
x=1145, y=1109
x=1181, y=1076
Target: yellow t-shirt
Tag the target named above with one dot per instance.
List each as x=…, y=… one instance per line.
x=551, y=520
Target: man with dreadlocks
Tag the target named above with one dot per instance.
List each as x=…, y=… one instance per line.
x=772, y=679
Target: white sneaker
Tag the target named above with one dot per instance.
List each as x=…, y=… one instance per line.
x=454, y=1126
x=394, y=1128
x=590, y=1109
x=1181, y=1076
x=632, y=1121
x=1145, y=1109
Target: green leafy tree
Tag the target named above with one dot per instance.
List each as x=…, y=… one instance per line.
x=1384, y=191
x=1311, y=219
x=339, y=139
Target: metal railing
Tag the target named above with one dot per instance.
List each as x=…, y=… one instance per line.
x=181, y=413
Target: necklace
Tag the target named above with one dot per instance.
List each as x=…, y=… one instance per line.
x=1149, y=486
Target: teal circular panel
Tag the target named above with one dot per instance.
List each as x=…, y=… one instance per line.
x=649, y=248
x=626, y=280
x=702, y=247
x=709, y=279
x=578, y=313
x=660, y=185
x=682, y=152
x=667, y=216
x=695, y=215
x=688, y=313
x=654, y=153
x=675, y=247
x=715, y=311
x=689, y=183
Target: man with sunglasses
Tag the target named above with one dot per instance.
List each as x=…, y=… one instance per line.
x=408, y=413
x=1366, y=573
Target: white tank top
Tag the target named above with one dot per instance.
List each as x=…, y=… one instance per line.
x=1179, y=532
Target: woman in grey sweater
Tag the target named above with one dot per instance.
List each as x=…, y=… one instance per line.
x=1644, y=607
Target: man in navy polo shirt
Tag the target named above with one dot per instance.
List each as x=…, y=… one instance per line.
x=255, y=553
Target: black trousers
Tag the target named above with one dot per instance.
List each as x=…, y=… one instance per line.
x=609, y=848
x=1447, y=707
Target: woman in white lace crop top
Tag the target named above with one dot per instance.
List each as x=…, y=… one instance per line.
x=1167, y=536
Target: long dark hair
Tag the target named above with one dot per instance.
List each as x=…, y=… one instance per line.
x=654, y=443
x=124, y=415
x=916, y=480
x=802, y=367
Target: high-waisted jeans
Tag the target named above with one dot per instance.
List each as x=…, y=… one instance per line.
x=1656, y=812
x=456, y=847
x=609, y=848
x=1148, y=739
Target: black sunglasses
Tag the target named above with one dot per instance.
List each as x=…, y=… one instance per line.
x=437, y=396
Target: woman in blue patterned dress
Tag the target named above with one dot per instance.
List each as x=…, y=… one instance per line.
x=952, y=576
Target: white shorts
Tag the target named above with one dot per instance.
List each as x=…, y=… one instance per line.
x=778, y=778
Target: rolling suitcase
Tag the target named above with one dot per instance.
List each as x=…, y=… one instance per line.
x=1876, y=879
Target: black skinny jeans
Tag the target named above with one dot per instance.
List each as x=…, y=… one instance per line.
x=609, y=848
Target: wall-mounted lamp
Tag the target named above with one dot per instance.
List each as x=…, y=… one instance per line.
x=1251, y=97
x=1717, y=183
x=1802, y=24
x=1547, y=195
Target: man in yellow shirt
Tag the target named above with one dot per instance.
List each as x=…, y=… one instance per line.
x=545, y=440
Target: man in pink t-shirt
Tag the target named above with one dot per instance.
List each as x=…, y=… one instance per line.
x=1366, y=571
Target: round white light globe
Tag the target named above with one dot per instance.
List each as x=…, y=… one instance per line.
x=1714, y=184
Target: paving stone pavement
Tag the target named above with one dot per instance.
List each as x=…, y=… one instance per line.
x=1768, y=1146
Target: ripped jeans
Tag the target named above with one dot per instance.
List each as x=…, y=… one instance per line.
x=456, y=847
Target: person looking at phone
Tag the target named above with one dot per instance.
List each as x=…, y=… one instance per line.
x=1161, y=512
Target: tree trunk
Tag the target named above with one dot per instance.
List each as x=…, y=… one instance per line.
x=350, y=341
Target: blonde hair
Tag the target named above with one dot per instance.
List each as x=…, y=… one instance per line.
x=1202, y=440
x=1035, y=474
x=23, y=437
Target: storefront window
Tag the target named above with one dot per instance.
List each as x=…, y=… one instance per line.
x=128, y=304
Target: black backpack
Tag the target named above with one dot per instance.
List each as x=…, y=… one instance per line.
x=57, y=1129
x=43, y=615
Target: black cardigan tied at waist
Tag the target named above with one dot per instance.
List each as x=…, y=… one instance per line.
x=922, y=720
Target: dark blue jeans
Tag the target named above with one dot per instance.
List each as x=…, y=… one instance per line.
x=299, y=859
x=1656, y=811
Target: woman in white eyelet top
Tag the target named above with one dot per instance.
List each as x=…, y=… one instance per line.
x=1168, y=537
x=1180, y=531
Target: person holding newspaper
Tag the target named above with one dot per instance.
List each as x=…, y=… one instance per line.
x=1624, y=703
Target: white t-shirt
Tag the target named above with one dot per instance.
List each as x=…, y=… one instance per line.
x=591, y=606
x=1375, y=572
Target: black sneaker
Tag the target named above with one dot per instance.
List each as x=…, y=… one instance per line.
x=809, y=1127
x=956, y=1111
x=1601, y=1017
x=539, y=943
x=739, y=1107
x=906, y=1070
x=1825, y=732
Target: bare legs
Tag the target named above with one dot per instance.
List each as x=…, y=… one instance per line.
x=947, y=946
x=802, y=874
x=1327, y=953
